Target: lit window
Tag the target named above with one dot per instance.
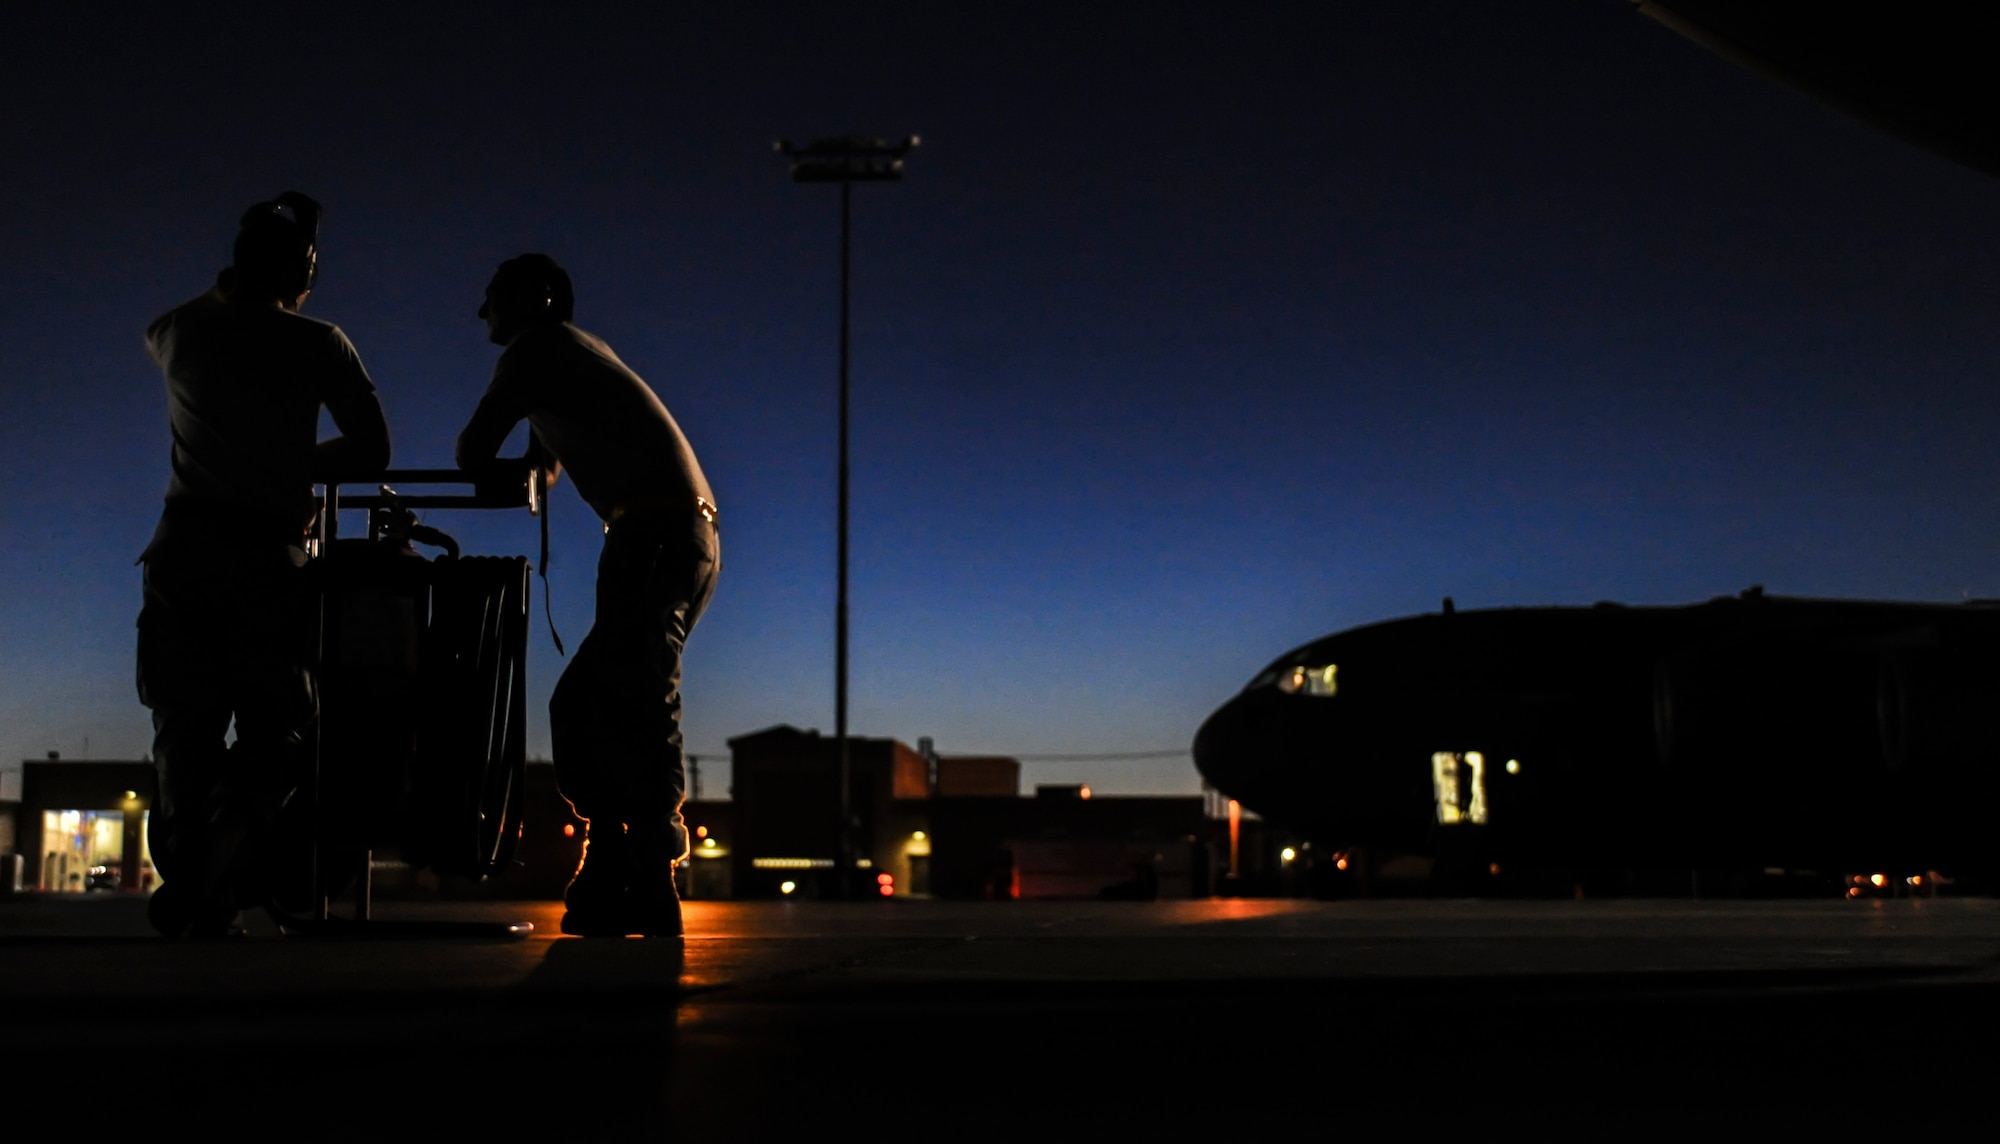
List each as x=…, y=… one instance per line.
x=1459, y=781
x=80, y=848
x=1307, y=680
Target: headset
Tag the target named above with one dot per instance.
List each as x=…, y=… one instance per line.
x=304, y=225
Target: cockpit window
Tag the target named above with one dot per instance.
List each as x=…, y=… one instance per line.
x=1303, y=679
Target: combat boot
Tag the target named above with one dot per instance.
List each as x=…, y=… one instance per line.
x=654, y=902
x=196, y=898
x=595, y=903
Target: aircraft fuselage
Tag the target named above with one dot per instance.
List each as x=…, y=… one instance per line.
x=1748, y=731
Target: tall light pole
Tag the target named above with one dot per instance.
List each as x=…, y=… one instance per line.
x=847, y=160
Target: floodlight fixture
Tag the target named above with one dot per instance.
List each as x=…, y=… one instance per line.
x=847, y=159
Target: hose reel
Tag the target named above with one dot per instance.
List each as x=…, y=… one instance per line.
x=423, y=700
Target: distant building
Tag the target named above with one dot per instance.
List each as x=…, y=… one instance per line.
x=76, y=822
x=949, y=826
x=923, y=825
x=977, y=776
x=786, y=786
x=80, y=825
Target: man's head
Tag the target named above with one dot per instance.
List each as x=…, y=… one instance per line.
x=277, y=253
x=526, y=291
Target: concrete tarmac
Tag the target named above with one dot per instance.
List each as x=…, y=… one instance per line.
x=1067, y=1020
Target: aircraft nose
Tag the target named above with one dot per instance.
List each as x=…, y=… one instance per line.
x=1220, y=749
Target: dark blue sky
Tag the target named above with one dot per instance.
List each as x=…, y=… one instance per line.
x=1197, y=331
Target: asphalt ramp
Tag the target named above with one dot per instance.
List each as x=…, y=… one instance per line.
x=1062, y=1020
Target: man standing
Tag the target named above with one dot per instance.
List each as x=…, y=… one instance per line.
x=615, y=717
x=219, y=633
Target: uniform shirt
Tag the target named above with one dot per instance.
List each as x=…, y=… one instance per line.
x=599, y=419
x=245, y=383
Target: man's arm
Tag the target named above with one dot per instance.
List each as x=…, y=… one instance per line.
x=362, y=447
x=479, y=444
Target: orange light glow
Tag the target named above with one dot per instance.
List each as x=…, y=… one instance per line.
x=1493, y=868
x=1916, y=879
x=884, y=879
x=1085, y=792
x=1235, y=832
x=1340, y=863
x=701, y=832
x=1854, y=891
x=1878, y=879
x=887, y=890
x=569, y=830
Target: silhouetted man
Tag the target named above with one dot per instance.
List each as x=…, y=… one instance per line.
x=219, y=637
x=615, y=717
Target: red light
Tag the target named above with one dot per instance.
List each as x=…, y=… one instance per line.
x=885, y=879
x=888, y=891
x=569, y=830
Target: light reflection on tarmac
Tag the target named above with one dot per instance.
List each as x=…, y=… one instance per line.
x=1162, y=1014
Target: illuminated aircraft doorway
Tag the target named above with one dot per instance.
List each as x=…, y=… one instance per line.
x=1459, y=780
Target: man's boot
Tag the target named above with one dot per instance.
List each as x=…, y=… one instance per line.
x=655, y=903
x=595, y=902
x=195, y=900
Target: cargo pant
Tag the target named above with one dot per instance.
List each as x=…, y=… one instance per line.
x=221, y=642
x=615, y=717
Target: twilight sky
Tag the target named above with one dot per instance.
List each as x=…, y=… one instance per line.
x=1196, y=332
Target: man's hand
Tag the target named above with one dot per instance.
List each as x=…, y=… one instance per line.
x=500, y=479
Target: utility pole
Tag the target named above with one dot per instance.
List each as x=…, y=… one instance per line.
x=846, y=160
